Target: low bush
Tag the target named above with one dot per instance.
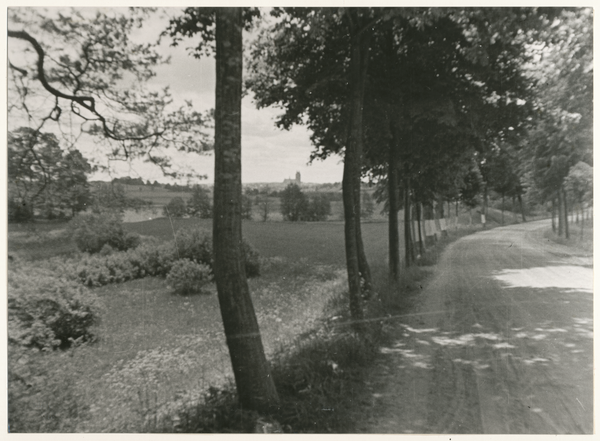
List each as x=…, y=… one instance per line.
x=195, y=244
x=46, y=312
x=187, y=277
x=149, y=259
x=91, y=232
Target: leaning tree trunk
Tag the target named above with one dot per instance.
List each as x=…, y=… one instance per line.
x=393, y=236
x=255, y=386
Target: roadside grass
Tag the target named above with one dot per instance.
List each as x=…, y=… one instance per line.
x=321, y=376
x=579, y=238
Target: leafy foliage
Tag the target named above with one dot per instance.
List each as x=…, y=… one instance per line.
x=91, y=232
x=188, y=277
x=200, y=204
x=46, y=311
x=44, y=178
x=88, y=61
x=293, y=203
x=561, y=134
x=318, y=209
x=195, y=244
x=175, y=208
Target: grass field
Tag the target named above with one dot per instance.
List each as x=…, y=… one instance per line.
x=158, y=352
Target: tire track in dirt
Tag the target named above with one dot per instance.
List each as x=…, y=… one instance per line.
x=476, y=356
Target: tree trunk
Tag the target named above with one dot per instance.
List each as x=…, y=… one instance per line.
x=363, y=263
x=421, y=245
x=255, y=386
x=484, y=206
x=560, y=214
x=554, y=215
x=582, y=219
x=442, y=217
x=352, y=168
x=566, y=211
x=413, y=231
x=502, y=216
x=456, y=215
x=407, y=238
x=393, y=235
x=521, y=205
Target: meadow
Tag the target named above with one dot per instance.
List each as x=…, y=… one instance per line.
x=158, y=353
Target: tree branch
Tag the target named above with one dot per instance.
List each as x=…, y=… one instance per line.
x=86, y=102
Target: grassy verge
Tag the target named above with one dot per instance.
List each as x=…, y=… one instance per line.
x=321, y=374
x=579, y=238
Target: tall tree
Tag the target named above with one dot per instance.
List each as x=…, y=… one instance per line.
x=43, y=177
x=255, y=386
x=561, y=134
x=74, y=189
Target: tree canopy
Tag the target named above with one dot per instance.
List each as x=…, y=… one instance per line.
x=80, y=73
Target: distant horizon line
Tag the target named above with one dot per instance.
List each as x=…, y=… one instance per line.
x=212, y=183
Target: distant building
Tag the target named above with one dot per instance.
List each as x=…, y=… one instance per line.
x=296, y=181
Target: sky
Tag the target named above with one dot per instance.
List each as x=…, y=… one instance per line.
x=268, y=153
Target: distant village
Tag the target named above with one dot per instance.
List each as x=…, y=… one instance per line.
x=251, y=186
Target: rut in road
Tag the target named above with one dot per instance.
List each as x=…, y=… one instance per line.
x=501, y=342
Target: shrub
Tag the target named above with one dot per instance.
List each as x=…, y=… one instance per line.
x=149, y=259
x=195, y=244
x=92, y=231
x=46, y=312
x=175, y=208
x=187, y=277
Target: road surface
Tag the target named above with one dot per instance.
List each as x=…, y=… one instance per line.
x=501, y=342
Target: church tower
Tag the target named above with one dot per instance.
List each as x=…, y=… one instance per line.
x=298, y=181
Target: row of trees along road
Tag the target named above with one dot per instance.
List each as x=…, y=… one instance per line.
x=428, y=102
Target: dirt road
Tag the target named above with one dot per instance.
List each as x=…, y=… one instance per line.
x=501, y=342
